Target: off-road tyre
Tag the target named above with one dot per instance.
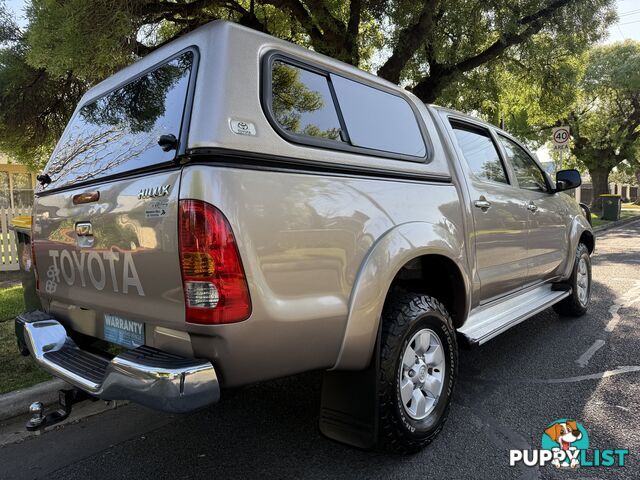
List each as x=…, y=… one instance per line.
x=403, y=316
x=573, y=305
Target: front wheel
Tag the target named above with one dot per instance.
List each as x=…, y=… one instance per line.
x=576, y=304
x=418, y=368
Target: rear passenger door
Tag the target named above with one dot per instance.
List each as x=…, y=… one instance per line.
x=501, y=221
x=548, y=237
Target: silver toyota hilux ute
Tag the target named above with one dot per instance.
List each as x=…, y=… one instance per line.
x=233, y=208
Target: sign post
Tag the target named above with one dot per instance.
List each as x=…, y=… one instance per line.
x=560, y=137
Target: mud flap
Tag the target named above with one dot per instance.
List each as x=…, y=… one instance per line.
x=349, y=409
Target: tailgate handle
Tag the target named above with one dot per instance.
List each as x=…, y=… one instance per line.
x=86, y=197
x=84, y=229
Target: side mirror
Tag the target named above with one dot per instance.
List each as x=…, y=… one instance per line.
x=567, y=179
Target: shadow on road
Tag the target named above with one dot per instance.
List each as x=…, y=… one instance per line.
x=270, y=430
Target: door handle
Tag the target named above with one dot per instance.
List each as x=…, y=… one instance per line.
x=532, y=207
x=482, y=204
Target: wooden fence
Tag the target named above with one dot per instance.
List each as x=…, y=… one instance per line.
x=8, y=245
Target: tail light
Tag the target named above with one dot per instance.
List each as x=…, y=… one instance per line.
x=215, y=287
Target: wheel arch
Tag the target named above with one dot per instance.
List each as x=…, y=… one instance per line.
x=589, y=240
x=447, y=285
x=579, y=232
x=401, y=257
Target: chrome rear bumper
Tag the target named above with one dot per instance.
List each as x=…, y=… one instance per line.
x=144, y=375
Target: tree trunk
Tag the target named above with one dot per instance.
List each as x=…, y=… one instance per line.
x=600, y=182
x=431, y=86
x=637, y=202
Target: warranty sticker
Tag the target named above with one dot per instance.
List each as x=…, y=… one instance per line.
x=157, y=208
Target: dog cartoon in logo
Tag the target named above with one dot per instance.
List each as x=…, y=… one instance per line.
x=564, y=433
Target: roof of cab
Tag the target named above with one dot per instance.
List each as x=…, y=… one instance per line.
x=228, y=86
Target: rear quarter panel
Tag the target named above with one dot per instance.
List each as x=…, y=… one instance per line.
x=303, y=239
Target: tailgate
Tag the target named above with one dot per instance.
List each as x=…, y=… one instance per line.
x=115, y=258
x=105, y=218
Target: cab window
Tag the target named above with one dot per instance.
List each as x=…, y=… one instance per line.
x=480, y=152
x=528, y=174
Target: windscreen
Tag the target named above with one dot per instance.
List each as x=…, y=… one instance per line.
x=119, y=131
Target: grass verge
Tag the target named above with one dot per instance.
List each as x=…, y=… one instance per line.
x=11, y=302
x=626, y=213
x=17, y=371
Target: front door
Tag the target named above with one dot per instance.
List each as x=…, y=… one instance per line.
x=548, y=238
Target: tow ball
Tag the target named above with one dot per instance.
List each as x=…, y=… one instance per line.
x=66, y=399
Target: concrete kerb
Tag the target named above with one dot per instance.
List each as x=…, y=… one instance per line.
x=17, y=403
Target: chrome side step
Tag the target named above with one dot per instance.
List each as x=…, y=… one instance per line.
x=490, y=321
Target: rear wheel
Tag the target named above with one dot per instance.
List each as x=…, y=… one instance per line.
x=418, y=366
x=576, y=304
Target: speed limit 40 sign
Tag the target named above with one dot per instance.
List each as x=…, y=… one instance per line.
x=561, y=136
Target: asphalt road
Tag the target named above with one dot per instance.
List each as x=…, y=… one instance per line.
x=509, y=390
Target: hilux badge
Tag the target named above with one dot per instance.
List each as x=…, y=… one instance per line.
x=161, y=191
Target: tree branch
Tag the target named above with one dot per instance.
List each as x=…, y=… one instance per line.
x=329, y=24
x=190, y=8
x=408, y=41
x=353, y=28
x=300, y=13
x=428, y=88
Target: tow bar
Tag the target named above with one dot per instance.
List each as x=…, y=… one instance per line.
x=66, y=399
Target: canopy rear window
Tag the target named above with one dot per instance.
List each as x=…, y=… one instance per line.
x=119, y=131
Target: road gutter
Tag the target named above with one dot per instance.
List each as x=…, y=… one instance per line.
x=13, y=430
x=17, y=403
